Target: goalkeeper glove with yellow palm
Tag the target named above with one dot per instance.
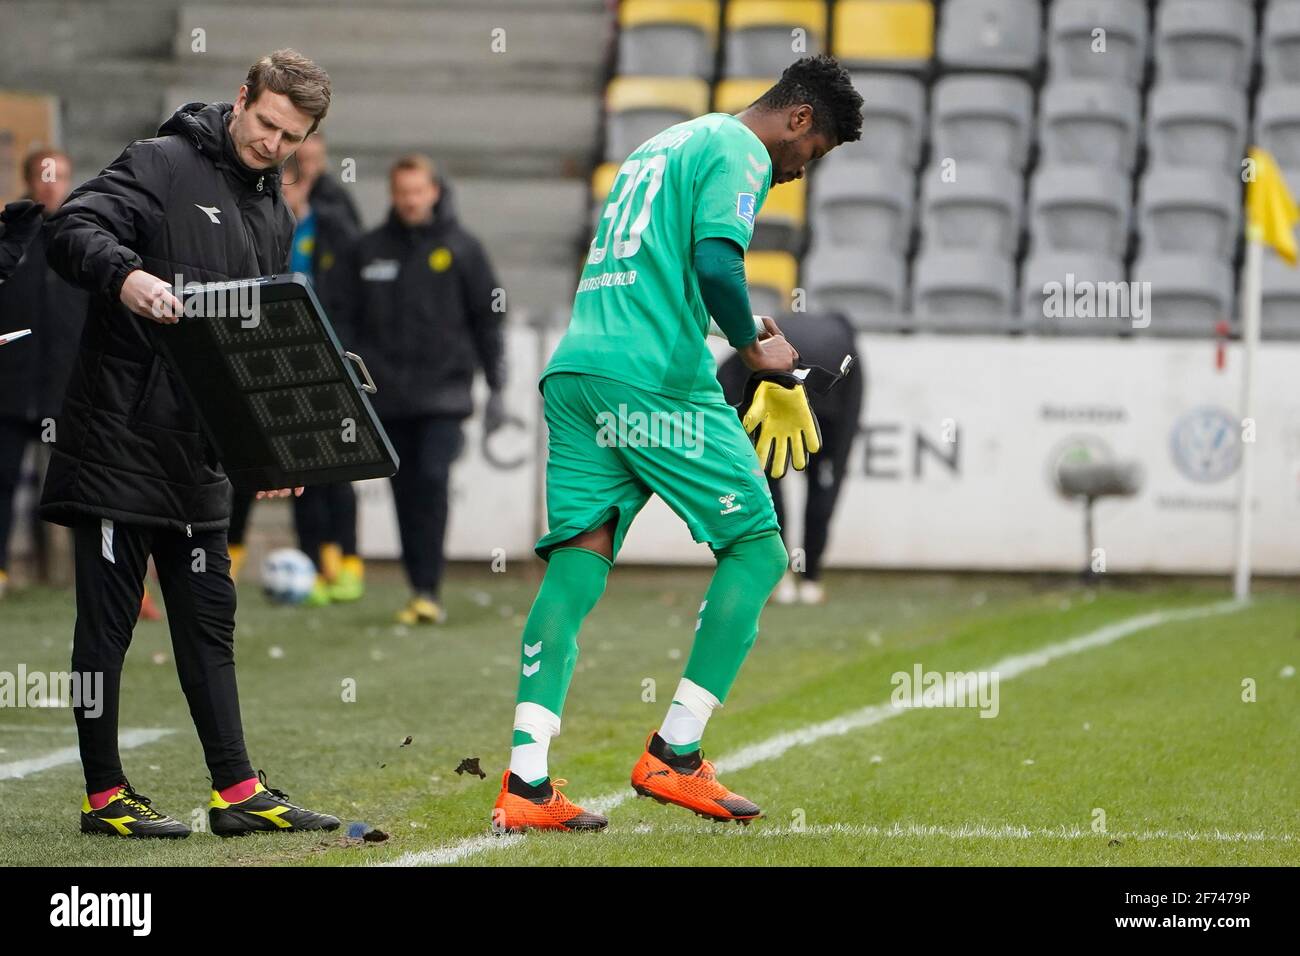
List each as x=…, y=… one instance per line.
x=776, y=414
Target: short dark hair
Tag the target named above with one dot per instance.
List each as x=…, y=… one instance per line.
x=33, y=160
x=824, y=85
x=292, y=74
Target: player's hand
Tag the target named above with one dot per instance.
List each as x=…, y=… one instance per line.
x=150, y=297
x=772, y=352
x=281, y=493
x=769, y=328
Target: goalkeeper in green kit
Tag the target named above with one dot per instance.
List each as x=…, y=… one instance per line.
x=634, y=408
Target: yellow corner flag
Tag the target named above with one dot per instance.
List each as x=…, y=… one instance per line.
x=1271, y=213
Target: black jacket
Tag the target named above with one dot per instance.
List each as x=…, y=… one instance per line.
x=130, y=446
x=422, y=315
x=34, y=371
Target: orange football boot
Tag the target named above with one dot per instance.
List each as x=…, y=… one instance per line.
x=688, y=781
x=520, y=807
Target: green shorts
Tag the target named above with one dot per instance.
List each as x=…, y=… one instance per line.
x=612, y=446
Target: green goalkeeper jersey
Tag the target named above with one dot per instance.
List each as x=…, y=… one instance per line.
x=638, y=316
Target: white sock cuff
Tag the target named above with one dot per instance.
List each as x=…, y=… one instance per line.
x=537, y=721
x=696, y=699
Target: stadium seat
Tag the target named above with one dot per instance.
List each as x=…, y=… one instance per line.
x=1073, y=52
x=1277, y=118
x=864, y=205
x=990, y=34
x=868, y=286
x=1189, y=293
x=1196, y=124
x=893, y=120
x=1078, y=208
x=1204, y=41
x=981, y=208
x=732, y=96
x=984, y=118
x=1281, y=41
x=667, y=37
x=639, y=107
x=780, y=223
x=771, y=277
x=1190, y=209
x=1089, y=121
x=1280, y=311
x=758, y=41
x=1052, y=294
x=897, y=34
x=963, y=290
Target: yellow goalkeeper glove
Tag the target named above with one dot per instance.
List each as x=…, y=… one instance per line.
x=776, y=414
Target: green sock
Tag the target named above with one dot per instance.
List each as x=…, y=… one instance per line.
x=575, y=579
x=727, y=627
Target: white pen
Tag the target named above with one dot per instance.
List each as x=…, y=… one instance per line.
x=8, y=337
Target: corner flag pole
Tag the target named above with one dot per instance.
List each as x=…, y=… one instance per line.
x=1271, y=217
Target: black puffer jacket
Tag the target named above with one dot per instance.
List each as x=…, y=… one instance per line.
x=34, y=371
x=422, y=315
x=130, y=446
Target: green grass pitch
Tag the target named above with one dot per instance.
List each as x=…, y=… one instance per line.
x=1148, y=733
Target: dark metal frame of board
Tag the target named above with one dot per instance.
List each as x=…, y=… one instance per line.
x=275, y=395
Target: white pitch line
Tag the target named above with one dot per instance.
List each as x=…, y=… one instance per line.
x=774, y=747
x=979, y=831
x=134, y=737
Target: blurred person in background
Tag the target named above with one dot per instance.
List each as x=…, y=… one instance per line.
x=821, y=339
x=426, y=312
x=325, y=516
x=33, y=374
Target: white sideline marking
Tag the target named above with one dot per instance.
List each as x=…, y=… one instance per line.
x=980, y=831
x=134, y=737
x=774, y=747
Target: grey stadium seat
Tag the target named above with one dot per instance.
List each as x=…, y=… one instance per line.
x=1204, y=41
x=1190, y=209
x=981, y=209
x=1196, y=124
x=985, y=118
x=1277, y=118
x=1060, y=309
x=1071, y=43
x=665, y=49
x=762, y=51
x=1075, y=208
x=1089, y=121
x=963, y=290
x=1281, y=41
x=625, y=130
x=1190, y=293
x=1280, y=311
x=990, y=34
x=868, y=286
x=893, y=124
x=864, y=204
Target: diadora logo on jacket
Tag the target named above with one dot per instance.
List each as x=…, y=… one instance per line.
x=211, y=211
